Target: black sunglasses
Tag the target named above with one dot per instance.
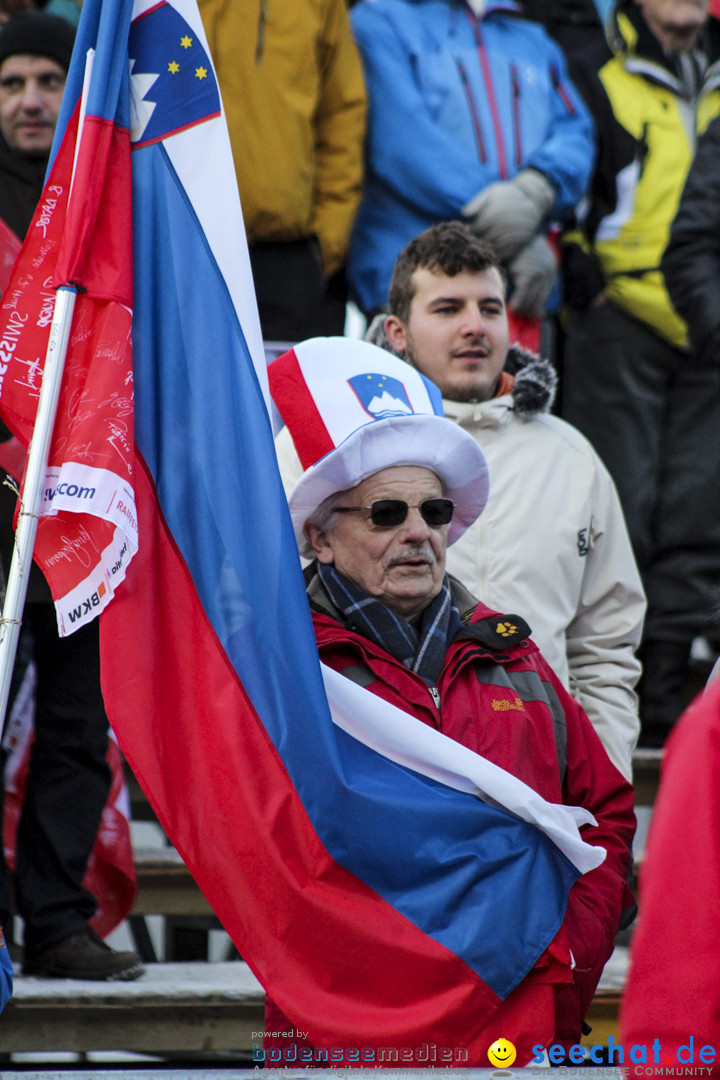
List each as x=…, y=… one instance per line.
x=389, y=512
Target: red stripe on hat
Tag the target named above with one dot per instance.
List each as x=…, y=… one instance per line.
x=297, y=407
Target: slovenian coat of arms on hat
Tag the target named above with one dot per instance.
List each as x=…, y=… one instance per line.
x=381, y=395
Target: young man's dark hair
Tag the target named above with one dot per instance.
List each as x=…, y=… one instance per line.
x=447, y=248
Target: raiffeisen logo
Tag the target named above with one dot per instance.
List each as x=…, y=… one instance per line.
x=642, y=1059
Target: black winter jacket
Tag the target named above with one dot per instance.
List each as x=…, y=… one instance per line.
x=691, y=263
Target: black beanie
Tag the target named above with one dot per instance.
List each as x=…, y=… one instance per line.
x=38, y=34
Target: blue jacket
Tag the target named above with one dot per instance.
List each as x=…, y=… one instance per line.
x=455, y=104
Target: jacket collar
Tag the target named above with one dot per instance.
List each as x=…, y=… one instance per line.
x=488, y=630
x=630, y=36
x=321, y=603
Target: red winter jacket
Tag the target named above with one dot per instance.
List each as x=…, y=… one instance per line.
x=673, y=990
x=498, y=697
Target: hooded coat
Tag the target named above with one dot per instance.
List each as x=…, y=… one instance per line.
x=552, y=543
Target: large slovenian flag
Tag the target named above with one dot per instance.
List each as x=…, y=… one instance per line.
x=378, y=899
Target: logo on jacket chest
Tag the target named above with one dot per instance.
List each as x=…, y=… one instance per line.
x=515, y=704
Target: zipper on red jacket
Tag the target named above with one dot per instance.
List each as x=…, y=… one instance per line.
x=368, y=648
x=516, y=116
x=561, y=91
x=473, y=111
x=490, y=92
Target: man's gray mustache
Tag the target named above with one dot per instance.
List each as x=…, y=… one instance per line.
x=409, y=556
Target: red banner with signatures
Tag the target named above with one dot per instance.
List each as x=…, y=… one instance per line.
x=87, y=531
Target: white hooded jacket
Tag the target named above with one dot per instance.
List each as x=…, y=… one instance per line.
x=552, y=545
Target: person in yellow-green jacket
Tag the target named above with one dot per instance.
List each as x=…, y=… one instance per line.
x=294, y=97
x=630, y=381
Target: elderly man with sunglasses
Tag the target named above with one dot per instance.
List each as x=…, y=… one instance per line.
x=392, y=549
x=388, y=484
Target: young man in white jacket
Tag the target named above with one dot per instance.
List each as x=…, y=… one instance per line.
x=552, y=542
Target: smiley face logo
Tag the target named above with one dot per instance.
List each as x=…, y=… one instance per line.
x=502, y=1053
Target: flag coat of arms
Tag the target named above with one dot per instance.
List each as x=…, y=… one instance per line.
x=277, y=804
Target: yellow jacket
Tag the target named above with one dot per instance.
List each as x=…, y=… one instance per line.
x=294, y=97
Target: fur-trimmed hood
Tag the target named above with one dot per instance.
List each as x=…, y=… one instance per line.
x=535, y=383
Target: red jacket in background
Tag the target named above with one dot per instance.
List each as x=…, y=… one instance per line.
x=673, y=990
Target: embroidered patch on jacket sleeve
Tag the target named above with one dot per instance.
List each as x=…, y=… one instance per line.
x=497, y=631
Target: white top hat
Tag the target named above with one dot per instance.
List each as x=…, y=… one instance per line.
x=353, y=409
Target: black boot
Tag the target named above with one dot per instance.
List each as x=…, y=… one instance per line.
x=84, y=956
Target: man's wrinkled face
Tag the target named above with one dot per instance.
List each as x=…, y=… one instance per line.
x=456, y=333
x=31, y=90
x=403, y=565
x=675, y=23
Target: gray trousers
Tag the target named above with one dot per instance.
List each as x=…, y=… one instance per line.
x=652, y=412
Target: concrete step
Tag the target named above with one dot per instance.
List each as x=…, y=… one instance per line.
x=187, y=1007
x=165, y=885
x=173, y=1007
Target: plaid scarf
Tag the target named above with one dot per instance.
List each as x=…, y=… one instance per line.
x=420, y=648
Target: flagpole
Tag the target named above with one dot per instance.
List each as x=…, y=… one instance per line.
x=19, y=575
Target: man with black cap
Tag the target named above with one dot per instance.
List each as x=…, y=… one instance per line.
x=69, y=778
x=35, y=52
